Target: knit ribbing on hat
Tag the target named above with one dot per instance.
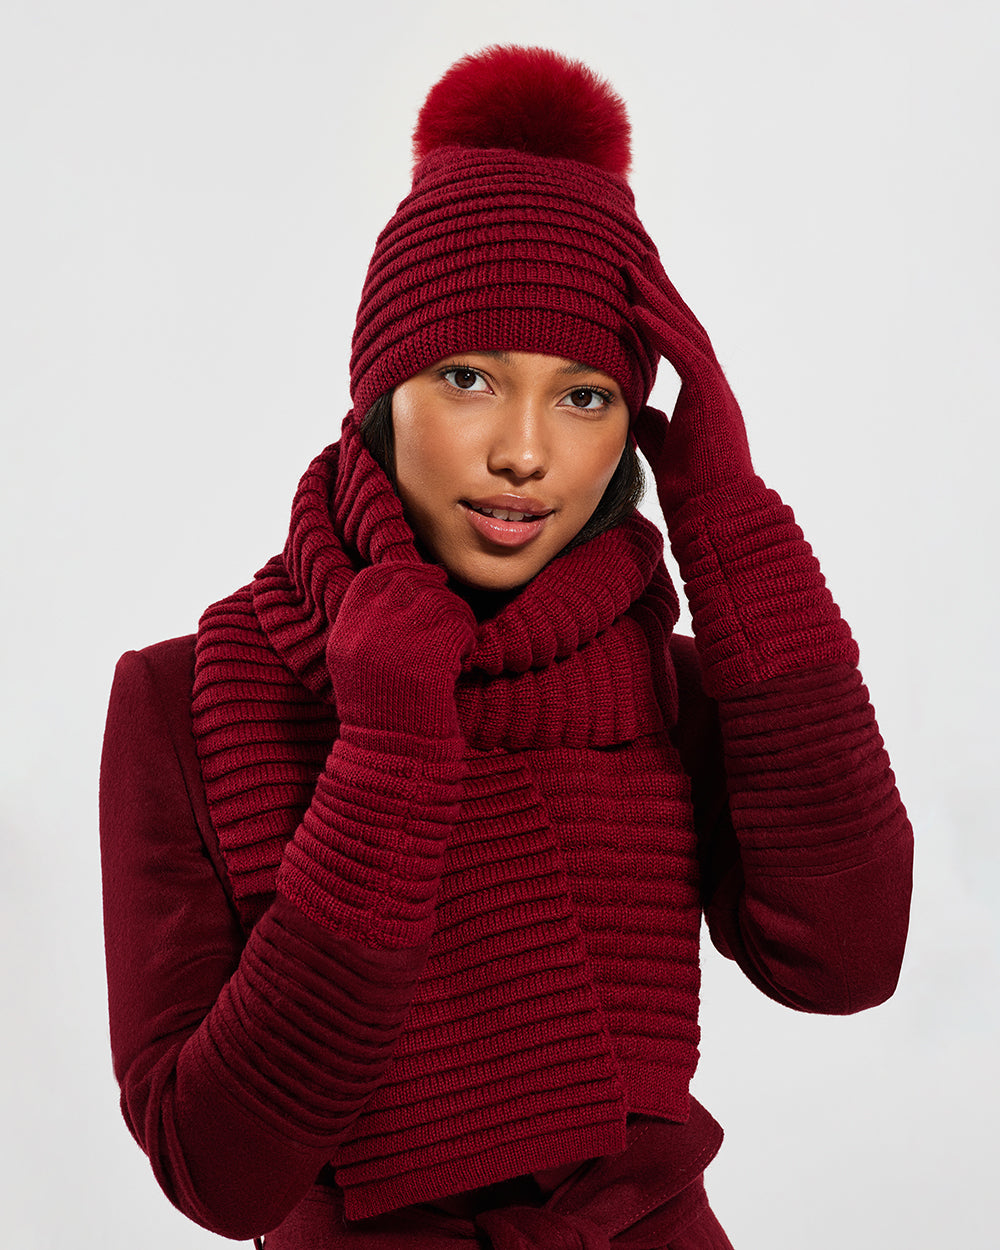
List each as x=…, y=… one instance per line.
x=496, y=250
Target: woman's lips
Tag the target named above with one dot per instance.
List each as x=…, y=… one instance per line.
x=503, y=530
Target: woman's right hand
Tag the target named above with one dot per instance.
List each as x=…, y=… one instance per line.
x=396, y=649
x=366, y=859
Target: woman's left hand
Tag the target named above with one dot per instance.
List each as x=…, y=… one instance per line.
x=759, y=604
x=704, y=443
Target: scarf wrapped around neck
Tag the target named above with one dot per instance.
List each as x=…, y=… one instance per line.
x=561, y=986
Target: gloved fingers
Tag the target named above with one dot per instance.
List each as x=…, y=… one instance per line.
x=699, y=372
x=704, y=442
x=399, y=608
x=658, y=296
x=663, y=338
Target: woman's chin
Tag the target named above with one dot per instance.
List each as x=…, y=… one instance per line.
x=496, y=571
x=487, y=582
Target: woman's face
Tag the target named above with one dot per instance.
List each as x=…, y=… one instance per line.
x=502, y=457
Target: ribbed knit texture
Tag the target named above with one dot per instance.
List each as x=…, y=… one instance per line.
x=367, y=856
x=759, y=602
x=824, y=725
x=649, y=1195
x=361, y=1004
x=636, y=895
x=561, y=985
x=502, y=250
x=506, y=1048
x=825, y=843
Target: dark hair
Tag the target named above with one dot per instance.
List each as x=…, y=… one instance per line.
x=621, y=495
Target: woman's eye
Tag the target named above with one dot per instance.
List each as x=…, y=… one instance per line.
x=587, y=397
x=465, y=379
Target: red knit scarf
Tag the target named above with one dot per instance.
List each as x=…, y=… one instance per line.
x=561, y=985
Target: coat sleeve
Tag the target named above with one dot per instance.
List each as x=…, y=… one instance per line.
x=241, y=1062
x=805, y=847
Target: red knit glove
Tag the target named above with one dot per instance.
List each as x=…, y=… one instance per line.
x=366, y=860
x=396, y=649
x=704, y=444
x=759, y=603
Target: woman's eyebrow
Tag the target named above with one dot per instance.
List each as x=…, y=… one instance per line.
x=575, y=366
x=503, y=357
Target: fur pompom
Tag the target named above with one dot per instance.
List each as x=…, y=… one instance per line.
x=529, y=99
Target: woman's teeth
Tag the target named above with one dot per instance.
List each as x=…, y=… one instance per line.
x=502, y=514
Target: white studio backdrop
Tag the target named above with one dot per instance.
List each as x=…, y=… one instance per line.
x=191, y=193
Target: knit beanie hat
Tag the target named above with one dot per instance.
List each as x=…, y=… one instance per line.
x=515, y=233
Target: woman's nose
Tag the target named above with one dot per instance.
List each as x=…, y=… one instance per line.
x=520, y=442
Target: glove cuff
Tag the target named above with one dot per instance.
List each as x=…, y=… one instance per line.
x=366, y=860
x=759, y=602
x=398, y=700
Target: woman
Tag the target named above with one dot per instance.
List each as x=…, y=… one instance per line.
x=406, y=852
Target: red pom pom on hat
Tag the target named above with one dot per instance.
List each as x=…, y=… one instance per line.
x=529, y=100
